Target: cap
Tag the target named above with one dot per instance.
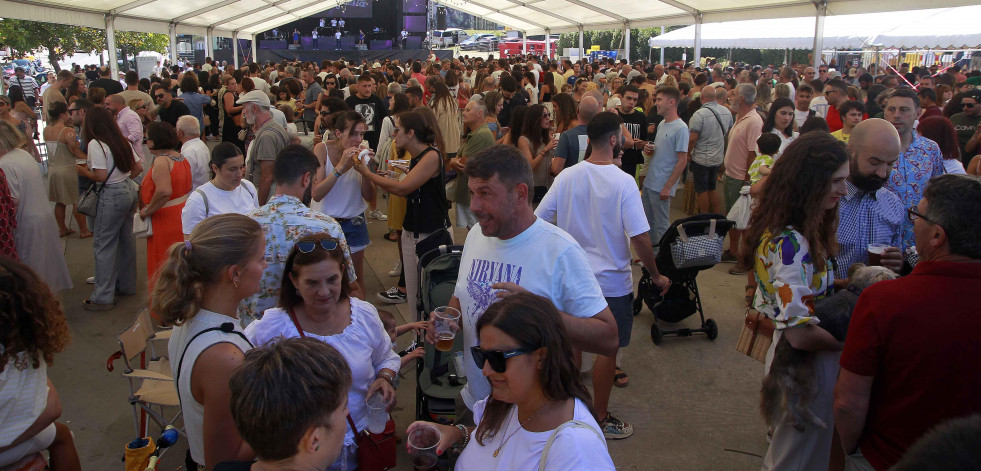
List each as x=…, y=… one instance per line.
x=376, y=65
x=257, y=97
x=973, y=93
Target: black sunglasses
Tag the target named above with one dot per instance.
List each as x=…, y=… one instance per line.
x=330, y=83
x=307, y=246
x=498, y=360
x=159, y=96
x=968, y=105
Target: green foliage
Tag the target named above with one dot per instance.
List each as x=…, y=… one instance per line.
x=26, y=37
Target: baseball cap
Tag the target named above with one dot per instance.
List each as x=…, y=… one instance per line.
x=973, y=93
x=257, y=97
x=376, y=65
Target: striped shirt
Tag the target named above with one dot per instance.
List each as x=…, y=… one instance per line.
x=865, y=218
x=27, y=83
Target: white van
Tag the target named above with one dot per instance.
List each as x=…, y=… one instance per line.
x=449, y=37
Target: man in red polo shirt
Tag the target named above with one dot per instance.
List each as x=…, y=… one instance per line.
x=911, y=356
x=836, y=93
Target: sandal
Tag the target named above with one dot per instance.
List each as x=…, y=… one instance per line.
x=392, y=236
x=90, y=305
x=620, y=379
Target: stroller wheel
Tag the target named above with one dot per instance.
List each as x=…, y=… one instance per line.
x=711, y=329
x=638, y=305
x=656, y=334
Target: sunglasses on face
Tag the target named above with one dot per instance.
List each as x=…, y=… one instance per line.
x=307, y=246
x=968, y=105
x=159, y=96
x=330, y=83
x=498, y=360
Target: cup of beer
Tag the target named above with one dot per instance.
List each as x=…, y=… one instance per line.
x=875, y=254
x=447, y=324
x=422, y=446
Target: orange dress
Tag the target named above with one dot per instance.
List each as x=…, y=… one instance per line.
x=166, y=221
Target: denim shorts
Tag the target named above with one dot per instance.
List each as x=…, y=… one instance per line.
x=622, y=308
x=356, y=232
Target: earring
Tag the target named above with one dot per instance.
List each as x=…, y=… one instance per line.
x=317, y=448
x=235, y=282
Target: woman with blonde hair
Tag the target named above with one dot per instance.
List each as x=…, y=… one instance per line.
x=198, y=290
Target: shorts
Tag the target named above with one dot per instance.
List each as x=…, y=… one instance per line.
x=705, y=177
x=464, y=216
x=32, y=445
x=356, y=233
x=622, y=308
x=731, y=190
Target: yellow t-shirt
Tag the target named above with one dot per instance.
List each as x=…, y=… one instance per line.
x=841, y=136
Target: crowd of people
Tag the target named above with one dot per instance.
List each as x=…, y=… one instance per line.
x=561, y=173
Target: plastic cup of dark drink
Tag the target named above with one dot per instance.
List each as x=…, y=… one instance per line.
x=875, y=254
x=447, y=324
x=422, y=446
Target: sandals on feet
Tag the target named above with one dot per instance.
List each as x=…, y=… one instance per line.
x=620, y=379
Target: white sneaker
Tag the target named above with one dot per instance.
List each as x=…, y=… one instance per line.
x=90, y=280
x=396, y=270
x=376, y=214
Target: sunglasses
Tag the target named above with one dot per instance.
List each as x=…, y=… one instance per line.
x=307, y=246
x=968, y=105
x=498, y=360
x=159, y=96
x=330, y=83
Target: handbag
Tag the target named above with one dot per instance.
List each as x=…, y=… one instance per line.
x=697, y=251
x=88, y=203
x=440, y=236
x=756, y=336
x=143, y=228
x=376, y=451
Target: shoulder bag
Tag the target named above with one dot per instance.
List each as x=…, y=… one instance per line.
x=88, y=203
x=442, y=235
x=376, y=451
x=554, y=435
x=756, y=336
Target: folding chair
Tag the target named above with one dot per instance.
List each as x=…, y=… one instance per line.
x=151, y=383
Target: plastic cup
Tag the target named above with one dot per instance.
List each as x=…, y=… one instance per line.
x=377, y=415
x=875, y=254
x=447, y=324
x=457, y=359
x=422, y=446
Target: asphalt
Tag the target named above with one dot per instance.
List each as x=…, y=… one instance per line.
x=693, y=402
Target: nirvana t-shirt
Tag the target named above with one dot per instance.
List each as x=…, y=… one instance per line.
x=636, y=123
x=544, y=260
x=374, y=111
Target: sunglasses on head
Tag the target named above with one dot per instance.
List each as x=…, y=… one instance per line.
x=498, y=360
x=307, y=246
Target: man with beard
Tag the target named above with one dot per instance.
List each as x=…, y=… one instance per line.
x=285, y=219
x=370, y=106
x=869, y=213
x=270, y=139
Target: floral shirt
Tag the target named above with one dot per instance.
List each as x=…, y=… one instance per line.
x=788, y=281
x=285, y=219
x=911, y=172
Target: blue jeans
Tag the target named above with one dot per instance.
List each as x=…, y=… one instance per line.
x=114, y=244
x=658, y=213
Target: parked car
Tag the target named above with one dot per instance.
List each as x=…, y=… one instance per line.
x=448, y=37
x=473, y=42
x=488, y=43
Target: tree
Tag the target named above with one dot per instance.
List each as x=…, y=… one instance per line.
x=24, y=37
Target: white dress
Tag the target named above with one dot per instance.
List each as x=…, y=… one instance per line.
x=36, y=236
x=364, y=344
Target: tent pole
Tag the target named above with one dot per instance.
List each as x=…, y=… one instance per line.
x=209, y=39
x=547, y=36
x=817, y=54
x=626, y=41
x=581, y=34
x=235, y=48
x=173, y=43
x=698, y=40
x=111, y=46
x=524, y=42
x=255, y=57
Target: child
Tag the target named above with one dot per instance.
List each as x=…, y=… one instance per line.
x=768, y=144
x=290, y=125
x=412, y=353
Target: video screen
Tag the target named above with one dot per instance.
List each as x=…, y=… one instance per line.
x=351, y=9
x=413, y=6
x=415, y=24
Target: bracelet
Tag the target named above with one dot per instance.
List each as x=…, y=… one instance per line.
x=387, y=377
x=464, y=436
x=336, y=173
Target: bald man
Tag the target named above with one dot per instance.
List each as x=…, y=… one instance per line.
x=129, y=122
x=573, y=143
x=870, y=213
x=706, y=148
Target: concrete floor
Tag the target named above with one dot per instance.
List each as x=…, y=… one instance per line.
x=693, y=402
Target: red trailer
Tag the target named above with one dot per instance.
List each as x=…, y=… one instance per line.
x=514, y=48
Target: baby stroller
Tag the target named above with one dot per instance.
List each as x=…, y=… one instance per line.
x=689, y=246
x=436, y=387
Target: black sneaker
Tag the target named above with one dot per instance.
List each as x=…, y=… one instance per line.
x=615, y=429
x=392, y=296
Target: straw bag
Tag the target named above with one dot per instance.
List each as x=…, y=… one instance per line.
x=756, y=336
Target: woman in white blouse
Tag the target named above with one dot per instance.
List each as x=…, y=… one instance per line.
x=228, y=192
x=314, y=302
x=537, y=396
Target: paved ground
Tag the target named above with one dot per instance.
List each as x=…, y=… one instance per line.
x=693, y=402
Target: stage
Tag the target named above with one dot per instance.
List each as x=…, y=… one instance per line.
x=351, y=55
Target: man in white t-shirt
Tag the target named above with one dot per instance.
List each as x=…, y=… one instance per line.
x=511, y=250
x=599, y=206
x=194, y=150
x=803, y=110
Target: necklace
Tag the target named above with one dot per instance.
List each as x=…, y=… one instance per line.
x=520, y=426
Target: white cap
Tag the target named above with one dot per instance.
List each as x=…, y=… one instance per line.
x=257, y=97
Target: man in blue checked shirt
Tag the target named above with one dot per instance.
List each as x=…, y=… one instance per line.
x=870, y=213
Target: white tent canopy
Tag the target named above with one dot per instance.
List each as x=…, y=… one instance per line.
x=939, y=28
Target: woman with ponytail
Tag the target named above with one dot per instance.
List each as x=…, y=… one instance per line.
x=427, y=209
x=198, y=290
